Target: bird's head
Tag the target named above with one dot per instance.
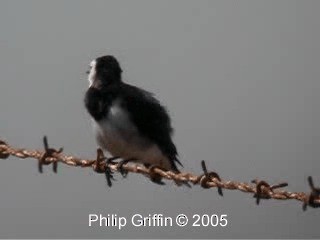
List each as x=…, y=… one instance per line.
x=104, y=71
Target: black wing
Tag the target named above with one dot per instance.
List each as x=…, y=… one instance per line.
x=151, y=119
x=97, y=102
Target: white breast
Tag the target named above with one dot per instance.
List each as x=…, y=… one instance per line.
x=120, y=137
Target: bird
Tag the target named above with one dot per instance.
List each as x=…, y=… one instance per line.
x=129, y=122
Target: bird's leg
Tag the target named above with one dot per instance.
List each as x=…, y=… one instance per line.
x=108, y=172
x=122, y=171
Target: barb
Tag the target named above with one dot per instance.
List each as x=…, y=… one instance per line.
x=313, y=198
x=209, y=176
x=263, y=189
x=49, y=152
x=260, y=189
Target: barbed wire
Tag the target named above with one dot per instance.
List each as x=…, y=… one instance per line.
x=259, y=188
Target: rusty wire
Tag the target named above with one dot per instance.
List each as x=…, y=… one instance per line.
x=259, y=188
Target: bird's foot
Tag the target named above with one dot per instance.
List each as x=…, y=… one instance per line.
x=157, y=178
x=108, y=172
x=122, y=171
x=154, y=177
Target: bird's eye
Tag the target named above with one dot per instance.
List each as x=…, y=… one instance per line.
x=87, y=72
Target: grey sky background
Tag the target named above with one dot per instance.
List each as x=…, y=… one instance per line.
x=240, y=80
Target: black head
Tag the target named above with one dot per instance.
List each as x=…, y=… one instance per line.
x=104, y=71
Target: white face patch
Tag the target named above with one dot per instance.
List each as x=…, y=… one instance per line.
x=92, y=73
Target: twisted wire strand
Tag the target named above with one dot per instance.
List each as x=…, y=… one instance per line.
x=259, y=188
